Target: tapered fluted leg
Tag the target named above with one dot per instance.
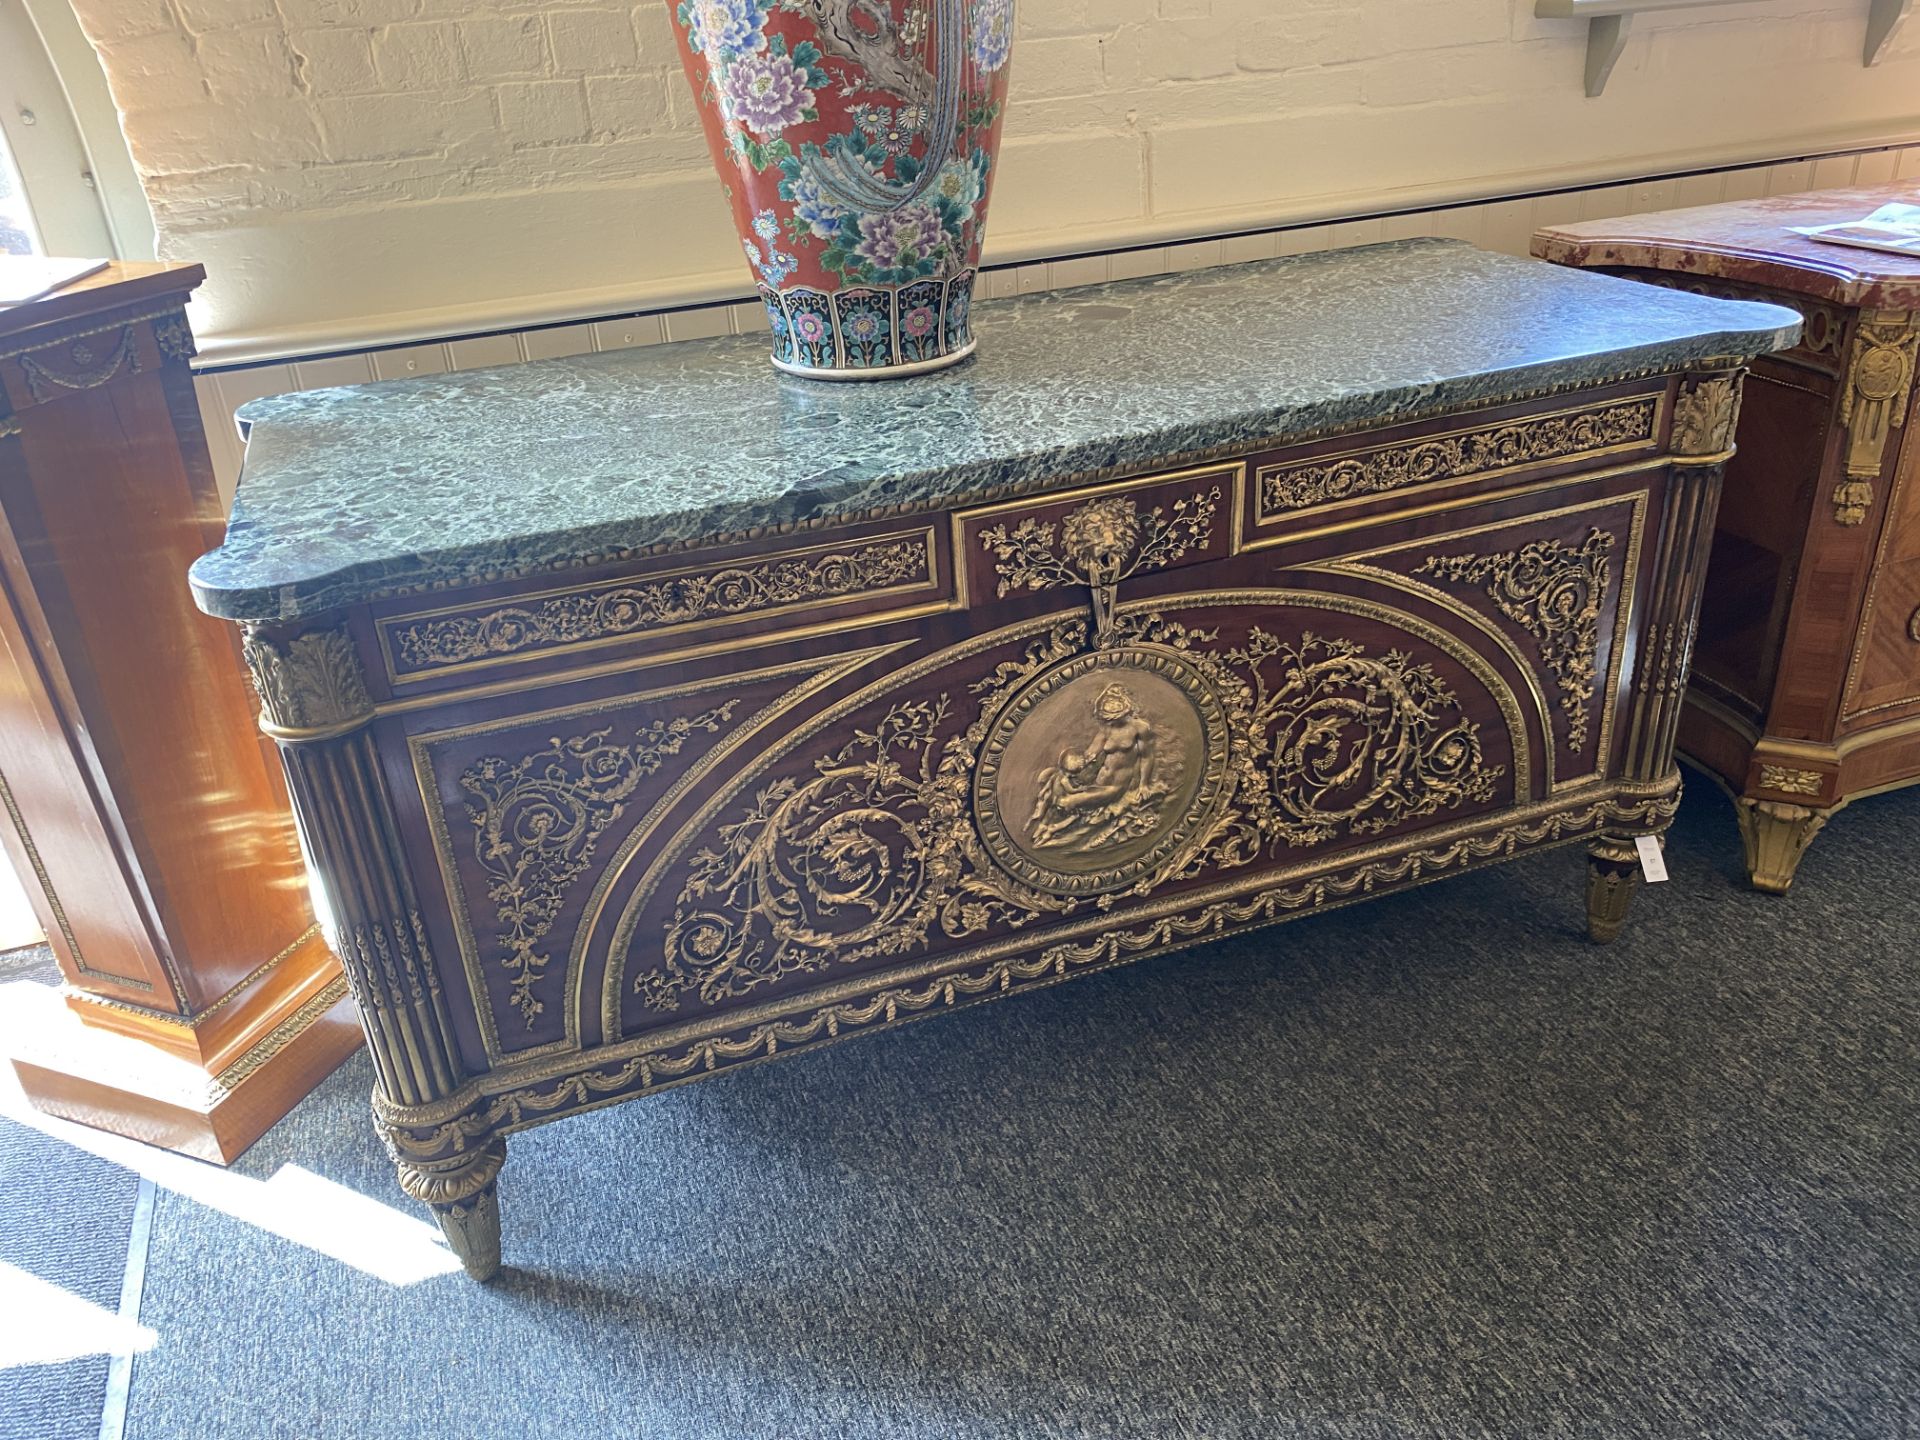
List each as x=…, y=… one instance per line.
x=464, y=1197
x=1613, y=873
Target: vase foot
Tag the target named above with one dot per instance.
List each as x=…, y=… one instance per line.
x=878, y=372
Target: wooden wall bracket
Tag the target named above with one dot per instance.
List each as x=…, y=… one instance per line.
x=1608, y=22
x=1883, y=20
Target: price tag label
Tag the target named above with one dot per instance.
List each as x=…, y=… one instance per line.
x=1653, y=865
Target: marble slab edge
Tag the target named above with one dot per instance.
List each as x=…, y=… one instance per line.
x=908, y=492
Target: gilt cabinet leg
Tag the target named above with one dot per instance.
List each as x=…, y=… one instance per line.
x=1613, y=873
x=1776, y=836
x=316, y=705
x=464, y=1197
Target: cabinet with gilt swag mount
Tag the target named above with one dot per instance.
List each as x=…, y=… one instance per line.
x=1805, y=689
x=803, y=713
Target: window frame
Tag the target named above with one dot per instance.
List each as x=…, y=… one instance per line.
x=83, y=197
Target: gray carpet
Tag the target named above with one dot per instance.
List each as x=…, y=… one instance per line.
x=65, y=1216
x=30, y=962
x=1428, y=1167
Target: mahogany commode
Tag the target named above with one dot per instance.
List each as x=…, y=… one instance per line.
x=647, y=714
x=1806, y=686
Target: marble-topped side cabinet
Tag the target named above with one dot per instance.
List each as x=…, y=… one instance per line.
x=649, y=714
x=1805, y=692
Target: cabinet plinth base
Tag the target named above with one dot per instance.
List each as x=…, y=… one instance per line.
x=131, y=1087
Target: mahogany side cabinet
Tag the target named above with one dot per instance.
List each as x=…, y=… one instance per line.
x=145, y=814
x=1805, y=691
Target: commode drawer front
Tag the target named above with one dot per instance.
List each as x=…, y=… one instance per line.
x=1013, y=790
x=1305, y=487
x=658, y=855
x=672, y=606
x=975, y=787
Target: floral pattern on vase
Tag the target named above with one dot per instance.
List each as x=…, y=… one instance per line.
x=856, y=141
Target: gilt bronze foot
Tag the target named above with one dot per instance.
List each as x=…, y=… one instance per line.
x=1776, y=836
x=463, y=1195
x=1613, y=873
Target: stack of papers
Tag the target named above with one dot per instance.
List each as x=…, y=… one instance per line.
x=28, y=277
x=1892, y=228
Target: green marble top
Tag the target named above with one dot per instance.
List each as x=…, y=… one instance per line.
x=368, y=490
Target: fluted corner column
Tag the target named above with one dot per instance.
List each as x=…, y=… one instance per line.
x=315, y=705
x=1706, y=413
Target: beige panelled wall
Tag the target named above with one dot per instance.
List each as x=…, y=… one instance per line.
x=358, y=172
x=1504, y=225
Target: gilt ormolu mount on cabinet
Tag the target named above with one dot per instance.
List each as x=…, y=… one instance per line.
x=802, y=711
x=1806, y=685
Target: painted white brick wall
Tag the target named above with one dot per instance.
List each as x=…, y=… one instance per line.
x=364, y=170
x=1500, y=225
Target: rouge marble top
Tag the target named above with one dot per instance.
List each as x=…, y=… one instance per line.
x=369, y=490
x=1754, y=240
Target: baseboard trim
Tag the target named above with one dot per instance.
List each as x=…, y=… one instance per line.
x=684, y=295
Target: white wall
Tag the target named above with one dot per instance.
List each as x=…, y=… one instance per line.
x=360, y=171
x=1498, y=225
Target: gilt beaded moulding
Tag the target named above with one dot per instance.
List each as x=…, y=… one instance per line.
x=856, y=143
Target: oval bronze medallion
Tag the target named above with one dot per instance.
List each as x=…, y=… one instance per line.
x=1102, y=770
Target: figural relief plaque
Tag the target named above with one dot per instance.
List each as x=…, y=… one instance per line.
x=1101, y=770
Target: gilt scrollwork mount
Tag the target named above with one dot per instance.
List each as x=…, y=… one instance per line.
x=652, y=605
x=538, y=820
x=1474, y=453
x=1102, y=543
x=1873, y=403
x=1556, y=593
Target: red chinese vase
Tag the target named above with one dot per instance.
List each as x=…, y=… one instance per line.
x=856, y=140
